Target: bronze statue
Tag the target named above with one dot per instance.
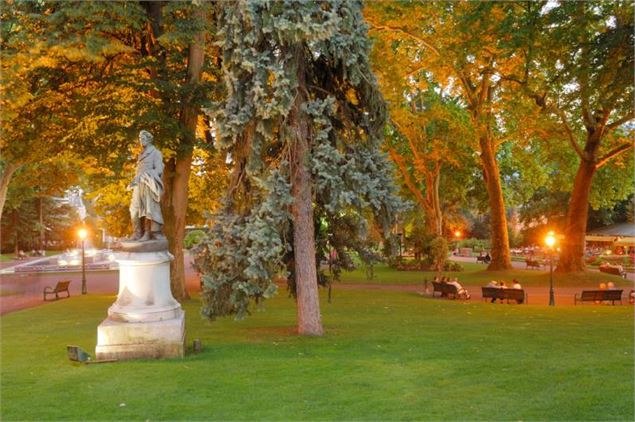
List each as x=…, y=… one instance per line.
x=147, y=189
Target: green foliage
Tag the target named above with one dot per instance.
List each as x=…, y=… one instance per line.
x=477, y=245
x=242, y=255
x=438, y=251
x=452, y=266
x=193, y=238
x=273, y=53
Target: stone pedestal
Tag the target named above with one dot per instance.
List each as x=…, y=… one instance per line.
x=145, y=321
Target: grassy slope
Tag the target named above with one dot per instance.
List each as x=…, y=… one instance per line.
x=477, y=275
x=386, y=356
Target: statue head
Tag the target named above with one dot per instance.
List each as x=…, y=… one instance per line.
x=145, y=137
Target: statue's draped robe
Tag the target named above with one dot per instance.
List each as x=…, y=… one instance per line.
x=146, y=195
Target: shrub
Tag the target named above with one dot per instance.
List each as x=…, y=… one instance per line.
x=477, y=245
x=193, y=238
x=452, y=266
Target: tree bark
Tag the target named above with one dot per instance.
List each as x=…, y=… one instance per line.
x=176, y=176
x=307, y=297
x=501, y=259
x=572, y=251
x=177, y=171
x=5, y=179
x=16, y=249
x=41, y=217
x=434, y=215
x=431, y=203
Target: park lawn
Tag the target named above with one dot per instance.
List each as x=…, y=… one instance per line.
x=477, y=275
x=385, y=356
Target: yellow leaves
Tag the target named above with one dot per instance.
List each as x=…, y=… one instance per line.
x=167, y=153
x=351, y=96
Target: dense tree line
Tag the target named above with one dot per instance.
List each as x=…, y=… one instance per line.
x=481, y=107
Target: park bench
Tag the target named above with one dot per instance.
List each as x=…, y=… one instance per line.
x=610, y=269
x=598, y=296
x=445, y=289
x=483, y=259
x=504, y=294
x=61, y=286
x=533, y=263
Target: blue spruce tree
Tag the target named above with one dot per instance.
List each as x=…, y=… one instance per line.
x=303, y=124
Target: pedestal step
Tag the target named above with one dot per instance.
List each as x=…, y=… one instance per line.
x=141, y=340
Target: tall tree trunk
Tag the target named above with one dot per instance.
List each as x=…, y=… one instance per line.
x=434, y=215
x=5, y=178
x=16, y=249
x=177, y=174
x=572, y=251
x=307, y=301
x=431, y=203
x=41, y=215
x=501, y=259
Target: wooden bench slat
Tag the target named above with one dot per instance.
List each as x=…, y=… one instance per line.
x=504, y=294
x=612, y=295
x=445, y=289
x=60, y=287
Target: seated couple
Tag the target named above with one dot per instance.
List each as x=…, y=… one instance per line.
x=461, y=291
x=501, y=285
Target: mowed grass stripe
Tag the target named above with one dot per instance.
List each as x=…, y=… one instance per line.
x=385, y=356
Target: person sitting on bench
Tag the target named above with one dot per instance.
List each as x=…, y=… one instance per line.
x=495, y=284
x=461, y=291
x=516, y=285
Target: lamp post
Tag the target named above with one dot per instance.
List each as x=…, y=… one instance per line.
x=457, y=236
x=82, y=233
x=550, y=241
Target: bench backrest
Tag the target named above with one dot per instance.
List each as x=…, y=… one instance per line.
x=62, y=286
x=449, y=288
x=601, y=295
x=444, y=287
x=515, y=294
x=613, y=294
x=611, y=270
x=491, y=292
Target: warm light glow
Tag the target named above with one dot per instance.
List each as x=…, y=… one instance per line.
x=550, y=240
x=82, y=233
x=457, y=233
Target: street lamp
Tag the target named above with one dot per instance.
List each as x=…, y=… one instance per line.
x=82, y=233
x=457, y=236
x=550, y=241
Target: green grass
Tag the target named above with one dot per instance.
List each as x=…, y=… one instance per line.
x=477, y=275
x=385, y=356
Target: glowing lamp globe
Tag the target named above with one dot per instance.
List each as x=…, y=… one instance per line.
x=550, y=240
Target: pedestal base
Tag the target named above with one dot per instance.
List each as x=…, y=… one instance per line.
x=141, y=340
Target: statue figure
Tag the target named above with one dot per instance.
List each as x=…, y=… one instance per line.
x=147, y=189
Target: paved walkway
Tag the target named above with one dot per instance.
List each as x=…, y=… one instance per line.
x=535, y=295
x=21, y=291
x=522, y=266
x=24, y=290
